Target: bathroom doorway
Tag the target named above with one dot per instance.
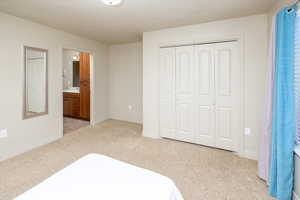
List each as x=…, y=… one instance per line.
x=76, y=90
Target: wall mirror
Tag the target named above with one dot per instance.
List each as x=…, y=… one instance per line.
x=76, y=81
x=71, y=71
x=35, y=82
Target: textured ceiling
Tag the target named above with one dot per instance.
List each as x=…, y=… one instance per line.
x=92, y=19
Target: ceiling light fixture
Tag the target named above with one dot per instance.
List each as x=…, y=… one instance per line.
x=75, y=58
x=112, y=2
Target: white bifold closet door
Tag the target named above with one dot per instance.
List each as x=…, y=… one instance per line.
x=184, y=93
x=167, y=93
x=204, y=76
x=200, y=94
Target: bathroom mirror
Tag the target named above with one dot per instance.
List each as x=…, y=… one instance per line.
x=76, y=81
x=71, y=71
x=35, y=82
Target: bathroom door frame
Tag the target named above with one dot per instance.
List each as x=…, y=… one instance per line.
x=92, y=86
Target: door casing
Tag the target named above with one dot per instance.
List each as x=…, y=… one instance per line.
x=92, y=87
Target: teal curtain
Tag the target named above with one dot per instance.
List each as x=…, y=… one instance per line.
x=283, y=114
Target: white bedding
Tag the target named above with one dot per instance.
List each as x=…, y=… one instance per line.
x=97, y=177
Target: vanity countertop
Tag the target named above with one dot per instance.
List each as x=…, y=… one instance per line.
x=72, y=90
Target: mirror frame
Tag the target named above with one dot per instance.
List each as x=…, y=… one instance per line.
x=25, y=115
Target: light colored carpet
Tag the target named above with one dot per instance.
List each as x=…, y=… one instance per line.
x=71, y=124
x=201, y=173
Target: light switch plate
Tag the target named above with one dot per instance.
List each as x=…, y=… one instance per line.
x=247, y=131
x=129, y=107
x=3, y=133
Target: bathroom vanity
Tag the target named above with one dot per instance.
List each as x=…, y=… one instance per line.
x=72, y=104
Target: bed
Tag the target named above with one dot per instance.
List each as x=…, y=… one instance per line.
x=97, y=177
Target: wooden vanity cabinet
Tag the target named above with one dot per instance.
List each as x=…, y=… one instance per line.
x=85, y=86
x=71, y=104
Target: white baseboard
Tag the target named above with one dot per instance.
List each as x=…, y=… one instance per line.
x=126, y=120
x=3, y=158
x=295, y=196
x=98, y=121
x=252, y=155
x=150, y=135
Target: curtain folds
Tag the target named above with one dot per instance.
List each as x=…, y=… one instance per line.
x=265, y=145
x=297, y=76
x=283, y=109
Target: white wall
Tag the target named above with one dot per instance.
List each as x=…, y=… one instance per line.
x=125, y=82
x=24, y=135
x=252, y=32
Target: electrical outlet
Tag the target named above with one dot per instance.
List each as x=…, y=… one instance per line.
x=247, y=131
x=129, y=107
x=3, y=133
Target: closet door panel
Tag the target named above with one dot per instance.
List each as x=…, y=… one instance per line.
x=167, y=120
x=224, y=122
x=167, y=92
x=184, y=122
x=184, y=93
x=224, y=62
x=204, y=95
x=228, y=96
x=204, y=130
x=184, y=71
